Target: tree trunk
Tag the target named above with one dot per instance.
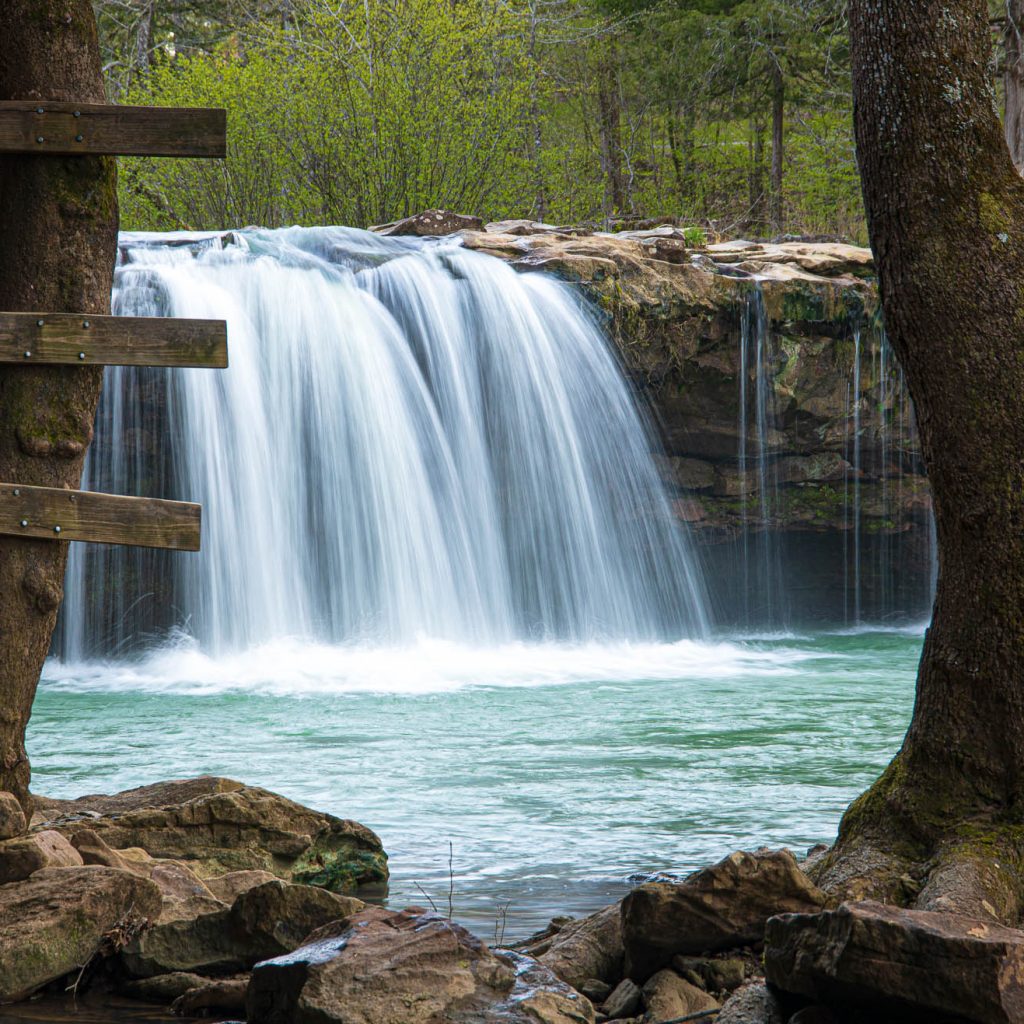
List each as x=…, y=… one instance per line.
x=540, y=202
x=945, y=213
x=610, y=130
x=58, y=239
x=777, y=212
x=1013, y=81
x=144, y=37
x=755, y=179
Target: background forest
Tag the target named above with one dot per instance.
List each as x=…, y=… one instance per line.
x=731, y=115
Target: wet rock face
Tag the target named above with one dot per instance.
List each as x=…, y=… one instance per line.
x=899, y=964
x=721, y=907
x=408, y=967
x=713, y=335
x=217, y=826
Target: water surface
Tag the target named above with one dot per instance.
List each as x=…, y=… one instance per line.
x=557, y=772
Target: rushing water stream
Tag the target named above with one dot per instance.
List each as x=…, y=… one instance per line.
x=441, y=589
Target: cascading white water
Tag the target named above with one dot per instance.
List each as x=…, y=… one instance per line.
x=412, y=440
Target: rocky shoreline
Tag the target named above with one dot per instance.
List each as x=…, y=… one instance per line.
x=208, y=897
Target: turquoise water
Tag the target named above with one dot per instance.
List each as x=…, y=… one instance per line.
x=558, y=773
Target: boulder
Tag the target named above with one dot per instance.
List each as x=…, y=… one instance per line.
x=408, y=967
x=752, y=1004
x=538, y=997
x=53, y=922
x=25, y=855
x=12, y=817
x=230, y=886
x=93, y=850
x=903, y=964
x=588, y=948
x=216, y=826
x=720, y=907
x=431, y=223
x=185, y=894
x=178, y=881
x=184, y=944
x=625, y=1000
x=162, y=988
x=595, y=990
x=276, y=917
x=227, y=994
x=714, y=974
x=666, y=996
x=263, y=922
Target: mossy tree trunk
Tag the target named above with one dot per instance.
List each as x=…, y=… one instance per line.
x=58, y=240
x=942, y=827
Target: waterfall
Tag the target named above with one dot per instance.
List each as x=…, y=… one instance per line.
x=757, y=366
x=412, y=440
x=855, y=472
x=878, y=552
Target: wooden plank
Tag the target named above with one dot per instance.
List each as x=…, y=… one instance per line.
x=82, y=339
x=95, y=129
x=53, y=513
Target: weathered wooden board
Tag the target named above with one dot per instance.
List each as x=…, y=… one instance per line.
x=94, y=129
x=112, y=340
x=56, y=514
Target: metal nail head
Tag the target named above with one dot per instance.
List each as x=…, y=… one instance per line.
x=39, y=138
x=85, y=323
x=24, y=522
x=27, y=354
x=78, y=138
x=56, y=529
x=81, y=355
x=39, y=323
x=39, y=110
x=17, y=492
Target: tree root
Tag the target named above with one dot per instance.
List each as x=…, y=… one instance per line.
x=975, y=869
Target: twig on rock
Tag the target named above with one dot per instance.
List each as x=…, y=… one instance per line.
x=700, y=1015
x=433, y=905
x=451, y=878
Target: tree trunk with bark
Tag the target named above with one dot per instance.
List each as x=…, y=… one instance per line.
x=58, y=240
x=610, y=131
x=755, y=180
x=944, y=826
x=1013, y=81
x=776, y=203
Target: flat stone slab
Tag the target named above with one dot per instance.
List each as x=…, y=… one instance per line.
x=914, y=963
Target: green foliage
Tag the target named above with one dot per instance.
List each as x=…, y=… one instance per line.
x=696, y=237
x=350, y=119
x=572, y=111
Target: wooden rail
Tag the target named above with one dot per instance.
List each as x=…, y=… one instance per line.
x=96, y=129
x=52, y=513
x=49, y=128
x=112, y=340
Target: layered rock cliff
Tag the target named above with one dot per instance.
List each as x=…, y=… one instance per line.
x=788, y=436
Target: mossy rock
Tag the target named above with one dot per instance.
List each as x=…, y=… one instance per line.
x=340, y=865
